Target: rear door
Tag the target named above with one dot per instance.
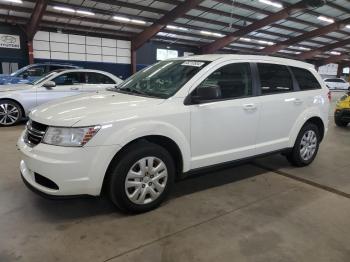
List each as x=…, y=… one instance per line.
x=280, y=107
x=95, y=81
x=67, y=84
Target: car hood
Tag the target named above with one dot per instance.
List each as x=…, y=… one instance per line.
x=92, y=108
x=14, y=87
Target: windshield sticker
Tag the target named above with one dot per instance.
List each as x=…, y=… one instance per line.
x=193, y=63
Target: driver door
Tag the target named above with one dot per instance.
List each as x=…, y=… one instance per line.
x=225, y=129
x=67, y=84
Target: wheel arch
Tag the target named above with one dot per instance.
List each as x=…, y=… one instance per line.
x=15, y=101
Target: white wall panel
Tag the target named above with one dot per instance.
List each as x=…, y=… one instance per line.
x=42, y=54
x=61, y=47
x=109, y=59
x=123, y=60
x=109, y=51
x=95, y=50
x=58, y=37
x=74, y=48
x=109, y=42
x=123, y=52
x=59, y=55
x=77, y=39
x=123, y=44
x=93, y=58
x=77, y=57
x=41, y=45
x=93, y=41
x=41, y=35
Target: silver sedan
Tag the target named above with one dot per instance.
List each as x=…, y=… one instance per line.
x=16, y=101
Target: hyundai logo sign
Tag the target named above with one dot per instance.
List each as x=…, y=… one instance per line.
x=10, y=41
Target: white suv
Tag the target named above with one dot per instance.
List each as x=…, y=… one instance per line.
x=173, y=118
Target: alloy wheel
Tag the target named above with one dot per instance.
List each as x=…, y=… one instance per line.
x=9, y=114
x=308, y=145
x=146, y=180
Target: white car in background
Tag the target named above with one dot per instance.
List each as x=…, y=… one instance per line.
x=16, y=101
x=336, y=83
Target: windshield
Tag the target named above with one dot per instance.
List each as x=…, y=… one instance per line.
x=19, y=71
x=162, y=80
x=45, y=77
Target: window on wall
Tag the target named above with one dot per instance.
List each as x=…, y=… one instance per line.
x=274, y=79
x=163, y=54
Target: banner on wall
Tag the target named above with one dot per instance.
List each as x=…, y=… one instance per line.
x=329, y=69
x=10, y=41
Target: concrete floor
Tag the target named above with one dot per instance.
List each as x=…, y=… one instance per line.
x=244, y=213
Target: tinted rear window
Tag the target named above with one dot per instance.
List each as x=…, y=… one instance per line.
x=305, y=78
x=274, y=79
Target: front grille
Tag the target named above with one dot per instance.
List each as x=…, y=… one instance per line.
x=35, y=132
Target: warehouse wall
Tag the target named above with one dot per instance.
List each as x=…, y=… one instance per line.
x=89, y=52
x=9, y=55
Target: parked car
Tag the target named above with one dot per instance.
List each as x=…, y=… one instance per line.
x=342, y=111
x=174, y=118
x=337, y=83
x=16, y=101
x=31, y=73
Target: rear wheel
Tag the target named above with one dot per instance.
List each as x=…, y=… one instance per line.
x=141, y=178
x=10, y=113
x=306, y=146
x=340, y=123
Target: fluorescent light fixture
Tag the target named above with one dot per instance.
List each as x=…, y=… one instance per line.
x=268, y=2
x=211, y=33
x=246, y=39
x=266, y=42
x=14, y=1
x=217, y=34
x=136, y=21
x=121, y=18
x=326, y=19
x=173, y=27
x=348, y=26
x=65, y=9
x=304, y=48
x=83, y=12
x=334, y=53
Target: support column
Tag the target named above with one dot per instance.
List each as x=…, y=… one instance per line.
x=340, y=70
x=30, y=52
x=133, y=61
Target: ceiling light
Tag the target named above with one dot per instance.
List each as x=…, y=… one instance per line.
x=120, y=18
x=326, y=19
x=14, y=1
x=212, y=34
x=217, y=34
x=335, y=53
x=176, y=27
x=266, y=42
x=205, y=32
x=136, y=21
x=348, y=26
x=83, y=12
x=268, y=2
x=65, y=9
x=245, y=39
x=304, y=48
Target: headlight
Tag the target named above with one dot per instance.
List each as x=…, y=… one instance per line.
x=71, y=136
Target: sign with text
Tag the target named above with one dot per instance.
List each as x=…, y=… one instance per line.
x=10, y=41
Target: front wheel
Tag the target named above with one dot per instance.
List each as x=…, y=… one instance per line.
x=141, y=178
x=306, y=146
x=10, y=113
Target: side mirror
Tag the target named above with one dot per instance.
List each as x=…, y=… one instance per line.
x=206, y=93
x=49, y=84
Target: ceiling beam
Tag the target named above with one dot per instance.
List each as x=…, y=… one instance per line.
x=304, y=37
x=312, y=53
x=35, y=18
x=283, y=14
x=158, y=25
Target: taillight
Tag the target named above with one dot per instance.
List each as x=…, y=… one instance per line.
x=329, y=96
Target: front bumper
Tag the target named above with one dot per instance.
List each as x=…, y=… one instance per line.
x=75, y=171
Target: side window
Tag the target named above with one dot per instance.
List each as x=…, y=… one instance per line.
x=34, y=71
x=68, y=79
x=274, y=79
x=55, y=67
x=97, y=78
x=233, y=80
x=305, y=78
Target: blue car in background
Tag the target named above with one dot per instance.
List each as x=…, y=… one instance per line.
x=31, y=73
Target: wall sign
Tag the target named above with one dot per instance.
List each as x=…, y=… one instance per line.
x=10, y=41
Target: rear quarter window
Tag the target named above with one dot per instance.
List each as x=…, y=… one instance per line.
x=305, y=79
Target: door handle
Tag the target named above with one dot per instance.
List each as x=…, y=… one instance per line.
x=74, y=88
x=298, y=101
x=249, y=107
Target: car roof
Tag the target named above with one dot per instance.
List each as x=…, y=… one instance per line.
x=262, y=58
x=61, y=71
x=55, y=64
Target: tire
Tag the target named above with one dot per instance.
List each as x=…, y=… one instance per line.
x=299, y=155
x=131, y=187
x=10, y=113
x=340, y=123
